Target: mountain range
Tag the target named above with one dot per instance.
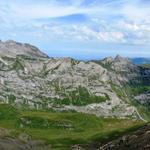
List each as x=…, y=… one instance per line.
x=112, y=87
x=105, y=88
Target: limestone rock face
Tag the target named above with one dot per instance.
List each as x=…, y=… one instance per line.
x=29, y=78
x=12, y=49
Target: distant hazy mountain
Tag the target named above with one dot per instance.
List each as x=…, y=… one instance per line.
x=141, y=60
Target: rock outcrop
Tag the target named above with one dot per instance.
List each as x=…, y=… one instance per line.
x=12, y=49
x=23, y=142
x=139, y=140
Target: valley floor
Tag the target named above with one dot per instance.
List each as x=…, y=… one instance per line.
x=35, y=130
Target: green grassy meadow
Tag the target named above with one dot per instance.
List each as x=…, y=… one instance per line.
x=63, y=129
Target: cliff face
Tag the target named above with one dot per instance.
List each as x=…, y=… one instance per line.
x=29, y=78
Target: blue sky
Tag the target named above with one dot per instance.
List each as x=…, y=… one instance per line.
x=83, y=29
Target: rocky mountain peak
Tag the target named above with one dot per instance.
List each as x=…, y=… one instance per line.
x=11, y=42
x=118, y=63
x=119, y=58
x=12, y=48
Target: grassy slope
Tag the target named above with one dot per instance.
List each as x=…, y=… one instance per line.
x=63, y=129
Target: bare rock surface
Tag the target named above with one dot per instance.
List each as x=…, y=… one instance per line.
x=12, y=49
x=8, y=143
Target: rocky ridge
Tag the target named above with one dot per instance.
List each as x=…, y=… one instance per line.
x=29, y=78
x=11, y=48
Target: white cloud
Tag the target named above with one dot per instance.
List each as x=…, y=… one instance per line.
x=42, y=11
x=136, y=12
x=118, y=22
x=37, y=10
x=112, y=36
x=85, y=33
